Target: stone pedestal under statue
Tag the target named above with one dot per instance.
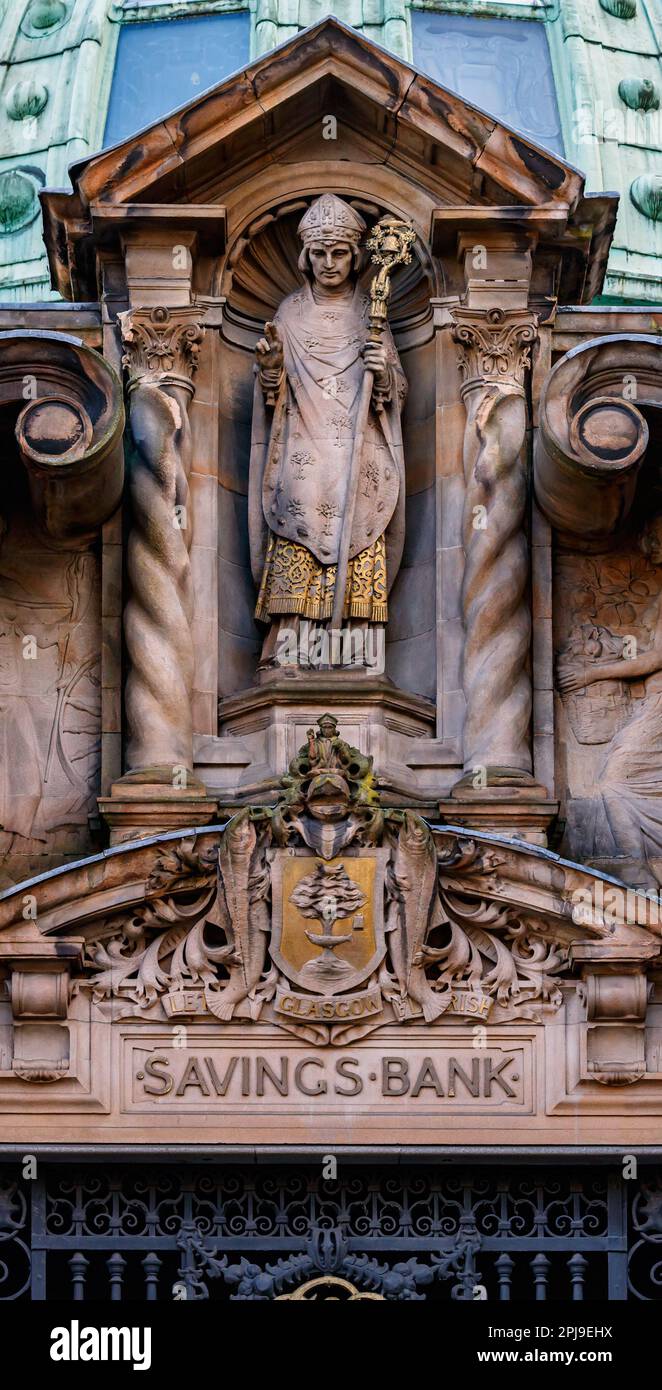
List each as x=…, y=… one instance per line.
x=261, y=729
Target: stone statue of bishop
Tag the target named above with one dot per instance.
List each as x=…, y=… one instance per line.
x=310, y=369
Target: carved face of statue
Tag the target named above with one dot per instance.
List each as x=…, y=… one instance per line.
x=331, y=263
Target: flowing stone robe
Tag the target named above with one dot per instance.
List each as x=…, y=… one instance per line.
x=300, y=464
x=630, y=781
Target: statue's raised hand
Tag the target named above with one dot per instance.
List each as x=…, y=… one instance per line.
x=269, y=349
x=269, y=354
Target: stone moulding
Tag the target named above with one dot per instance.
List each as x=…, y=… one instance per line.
x=593, y=436
x=69, y=431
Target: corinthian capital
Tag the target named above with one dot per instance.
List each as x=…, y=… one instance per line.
x=495, y=345
x=161, y=345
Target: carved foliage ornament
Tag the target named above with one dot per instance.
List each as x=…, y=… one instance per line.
x=19, y=202
x=326, y=915
x=646, y=194
x=161, y=345
x=44, y=16
x=495, y=345
x=326, y=1270
x=26, y=100
x=622, y=9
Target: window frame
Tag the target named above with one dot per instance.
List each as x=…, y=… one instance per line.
x=131, y=12
x=541, y=10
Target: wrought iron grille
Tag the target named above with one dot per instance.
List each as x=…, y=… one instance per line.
x=130, y=1233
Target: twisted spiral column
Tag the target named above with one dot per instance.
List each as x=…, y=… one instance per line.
x=161, y=353
x=494, y=354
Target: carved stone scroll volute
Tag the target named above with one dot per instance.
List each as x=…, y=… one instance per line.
x=593, y=435
x=69, y=430
x=616, y=1002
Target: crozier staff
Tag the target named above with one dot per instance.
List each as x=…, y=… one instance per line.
x=311, y=366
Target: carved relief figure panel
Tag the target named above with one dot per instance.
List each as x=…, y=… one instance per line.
x=609, y=675
x=61, y=428
x=50, y=717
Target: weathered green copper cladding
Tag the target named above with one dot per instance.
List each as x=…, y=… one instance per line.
x=385, y=21
x=57, y=61
x=58, y=58
x=609, y=134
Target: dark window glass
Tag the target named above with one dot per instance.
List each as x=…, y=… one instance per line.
x=501, y=65
x=162, y=65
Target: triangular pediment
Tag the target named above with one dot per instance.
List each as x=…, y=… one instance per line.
x=328, y=101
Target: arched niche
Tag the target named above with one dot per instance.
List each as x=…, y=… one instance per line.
x=259, y=270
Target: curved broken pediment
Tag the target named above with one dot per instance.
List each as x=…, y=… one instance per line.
x=213, y=924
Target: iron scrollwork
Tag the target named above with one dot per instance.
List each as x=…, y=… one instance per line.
x=326, y=1256
x=15, y=1254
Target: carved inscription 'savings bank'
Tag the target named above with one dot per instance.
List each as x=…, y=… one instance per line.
x=330, y=662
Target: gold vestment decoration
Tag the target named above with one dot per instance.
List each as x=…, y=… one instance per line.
x=294, y=581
